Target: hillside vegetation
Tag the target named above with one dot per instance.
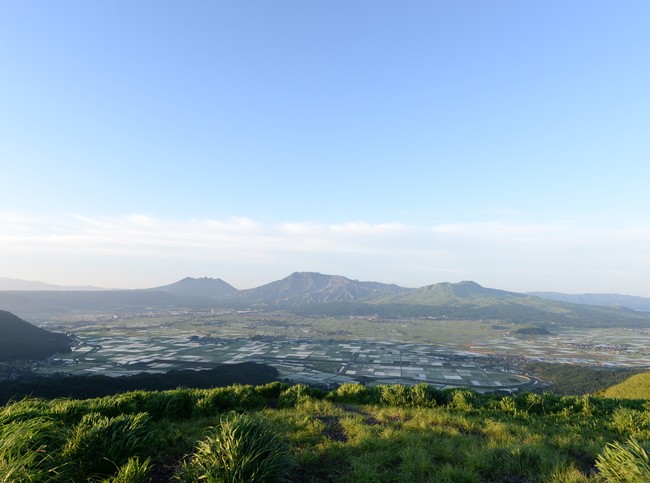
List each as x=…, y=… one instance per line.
x=355, y=433
x=636, y=387
x=22, y=340
x=89, y=386
x=606, y=300
x=574, y=379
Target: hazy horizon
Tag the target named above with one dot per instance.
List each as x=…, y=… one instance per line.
x=411, y=144
x=11, y=284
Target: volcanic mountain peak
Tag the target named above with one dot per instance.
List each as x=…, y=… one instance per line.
x=199, y=287
x=314, y=287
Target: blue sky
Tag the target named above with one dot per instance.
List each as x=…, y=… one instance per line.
x=407, y=142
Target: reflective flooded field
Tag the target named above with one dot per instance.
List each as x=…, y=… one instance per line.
x=330, y=351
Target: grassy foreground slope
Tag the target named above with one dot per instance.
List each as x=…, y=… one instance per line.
x=277, y=432
x=637, y=387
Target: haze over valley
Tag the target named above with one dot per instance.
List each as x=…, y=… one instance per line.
x=324, y=241
x=327, y=329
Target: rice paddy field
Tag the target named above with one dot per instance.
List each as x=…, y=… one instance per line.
x=332, y=351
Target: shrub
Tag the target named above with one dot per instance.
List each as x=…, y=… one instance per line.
x=424, y=396
x=463, y=399
x=221, y=399
x=271, y=390
x=293, y=396
x=629, y=421
x=354, y=393
x=530, y=403
x=624, y=463
x=178, y=404
x=508, y=404
x=241, y=449
x=396, y=395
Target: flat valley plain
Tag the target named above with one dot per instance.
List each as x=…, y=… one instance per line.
x=328, y=351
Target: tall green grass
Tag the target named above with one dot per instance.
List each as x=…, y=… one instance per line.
x=624, y=463
x=352, y=433
x=25, y=450
x=242, y=448
x=133, y=471
x=98, y=444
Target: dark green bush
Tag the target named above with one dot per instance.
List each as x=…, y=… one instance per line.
x=424, y=396
x=177, y=404
x=272, y=390
x=463, y=399
x=232, y=398
x=354, y=393
x=293, y=396
x=396, y=395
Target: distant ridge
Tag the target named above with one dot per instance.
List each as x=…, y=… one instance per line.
x=316, y=294
x=17, y=284
x=199, y=287
x=313, y=287
x=22, y=340
x=603, y=299
x=461, y=293
x=468, y=300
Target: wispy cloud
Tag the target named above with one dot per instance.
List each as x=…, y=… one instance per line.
x=408, y=254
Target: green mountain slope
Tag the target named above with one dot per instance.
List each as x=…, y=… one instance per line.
x=471, y=301
x=22, y=340
x=302, y=288
x=635, y=387
x=604, y=299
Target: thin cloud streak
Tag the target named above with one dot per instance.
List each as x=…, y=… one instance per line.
x=503, y=254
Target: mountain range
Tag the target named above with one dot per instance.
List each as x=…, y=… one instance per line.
x=319, y=294
x=602, y=299
x=18, y=284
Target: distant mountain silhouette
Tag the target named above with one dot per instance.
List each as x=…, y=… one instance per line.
x=37, y=302
x=199, y=287
x=470, y=301
x=311, y=287
x=22, y=340
x=454, y=294
x=313, y=294
x=602, y=299
x=17, y=284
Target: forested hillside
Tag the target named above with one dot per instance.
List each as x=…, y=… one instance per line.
x=22, y=340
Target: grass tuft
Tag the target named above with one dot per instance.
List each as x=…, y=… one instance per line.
x=242, y=448
x=624, y=463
